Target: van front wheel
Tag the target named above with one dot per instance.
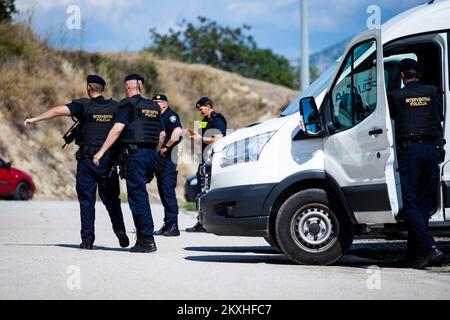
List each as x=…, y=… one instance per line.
x=309, y=230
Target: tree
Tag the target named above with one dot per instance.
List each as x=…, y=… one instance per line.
x=7, y=10
x=229, y=49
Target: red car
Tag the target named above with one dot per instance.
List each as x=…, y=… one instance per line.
x=15, y=184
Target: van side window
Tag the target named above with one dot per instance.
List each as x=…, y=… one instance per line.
x=354, y=96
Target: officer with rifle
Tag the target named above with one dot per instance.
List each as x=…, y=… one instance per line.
x=140, y=131
x=95, y=117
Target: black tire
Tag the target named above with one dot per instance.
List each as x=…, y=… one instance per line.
x=273, y=243
x=312, y=228
x=23, y=192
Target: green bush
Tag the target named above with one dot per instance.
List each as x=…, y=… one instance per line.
x=7, y=10
x=225, y=48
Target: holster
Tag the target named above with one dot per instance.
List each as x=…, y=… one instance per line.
x=122, y=163
x=440, y=146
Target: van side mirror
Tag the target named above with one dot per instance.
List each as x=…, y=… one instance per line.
x=311, y=117
x=8, y=166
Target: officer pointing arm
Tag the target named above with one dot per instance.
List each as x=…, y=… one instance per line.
x=95, y=115
x=56, y=112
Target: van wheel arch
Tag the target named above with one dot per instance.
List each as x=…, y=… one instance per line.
x=316, y=180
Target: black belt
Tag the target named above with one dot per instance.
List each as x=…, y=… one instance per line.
x=87, y=152
x=133, y=147
x=431, y=141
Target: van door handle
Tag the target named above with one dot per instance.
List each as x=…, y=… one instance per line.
x=376, y=132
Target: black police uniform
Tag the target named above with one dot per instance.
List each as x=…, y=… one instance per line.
x=97, y=118
x=167, y=176
x=417, y=111
x=216, y=124
x=140, y=138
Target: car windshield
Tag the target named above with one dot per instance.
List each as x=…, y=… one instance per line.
x=314, y=90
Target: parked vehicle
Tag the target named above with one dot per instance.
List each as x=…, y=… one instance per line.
x=308, y=189
x=191, y=189
x=15, y=184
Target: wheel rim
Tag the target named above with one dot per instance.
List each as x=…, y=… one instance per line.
x=314, y=229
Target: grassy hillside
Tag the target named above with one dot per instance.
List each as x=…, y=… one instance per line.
x=36, y=77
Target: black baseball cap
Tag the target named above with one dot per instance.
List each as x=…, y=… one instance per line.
x=93, y=78
x=410, y=64
x=134, y=76
x=205, y=101
x=160, y=97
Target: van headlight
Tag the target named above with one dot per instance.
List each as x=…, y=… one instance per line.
x=244, y=151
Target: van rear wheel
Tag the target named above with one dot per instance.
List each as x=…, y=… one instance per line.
x=310, y=231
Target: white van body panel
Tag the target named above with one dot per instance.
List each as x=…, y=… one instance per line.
x=283, y=157
x=288, y=155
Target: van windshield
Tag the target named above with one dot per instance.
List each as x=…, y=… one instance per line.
x=314, y=90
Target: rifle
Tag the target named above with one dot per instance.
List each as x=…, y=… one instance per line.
x=71, y=135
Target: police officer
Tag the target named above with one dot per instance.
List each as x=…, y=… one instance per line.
x=167, y=173
x=417, y=111
x=139, y=126
x=96, y=116
x=213, y=128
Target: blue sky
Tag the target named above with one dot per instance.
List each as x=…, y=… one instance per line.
x=119, y=25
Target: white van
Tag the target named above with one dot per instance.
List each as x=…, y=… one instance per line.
x=308, y=189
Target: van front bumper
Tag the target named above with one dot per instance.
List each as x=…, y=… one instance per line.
x=236, y=211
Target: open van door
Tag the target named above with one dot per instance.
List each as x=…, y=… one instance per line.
x=359, y=148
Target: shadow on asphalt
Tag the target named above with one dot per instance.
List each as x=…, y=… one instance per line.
x=260, y=250
x=384, y=254
x=69, y=246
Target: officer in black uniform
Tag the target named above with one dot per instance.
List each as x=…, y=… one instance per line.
x=417, y=111
x=96, y=116
x=167, y=174
x=141, y=131
x=213, y=128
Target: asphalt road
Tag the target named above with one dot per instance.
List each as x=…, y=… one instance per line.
x=39, y=259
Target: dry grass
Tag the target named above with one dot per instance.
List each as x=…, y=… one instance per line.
x=36, y=77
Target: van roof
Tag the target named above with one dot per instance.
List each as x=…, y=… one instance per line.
x=432, y=16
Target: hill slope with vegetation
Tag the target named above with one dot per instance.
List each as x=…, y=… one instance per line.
x=36, y=77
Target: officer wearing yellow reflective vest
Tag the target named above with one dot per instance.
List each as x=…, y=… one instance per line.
x=139, y=128
x=96, y=117
x=213, y=128
x=418, y=111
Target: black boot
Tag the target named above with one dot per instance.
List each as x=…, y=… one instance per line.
x=434, y=255
x=172, y=230
x=161, y=231
x=196, y=229
x=86, y=246
x=123, y=239
x=144, y=245
x=405, y=262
